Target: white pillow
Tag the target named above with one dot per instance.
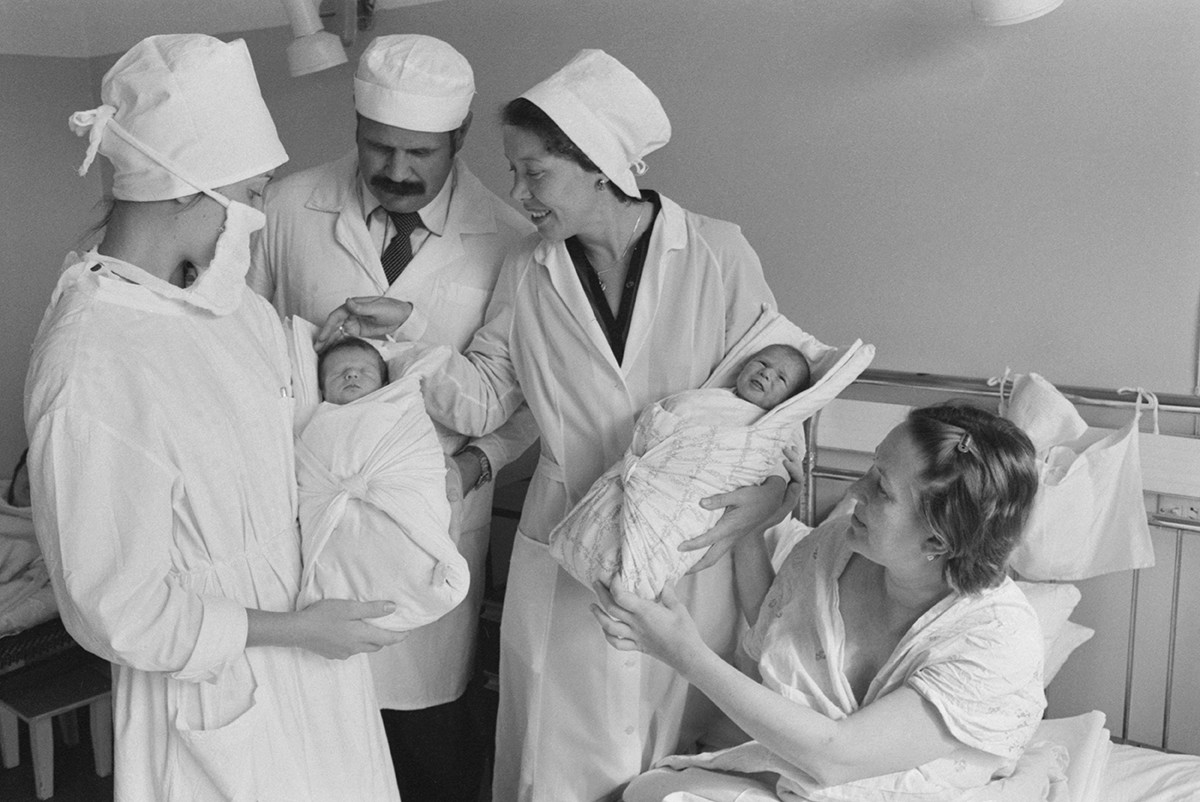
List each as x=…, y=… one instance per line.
x=1069, y=639
x=1045, y=414
x=1053, y=602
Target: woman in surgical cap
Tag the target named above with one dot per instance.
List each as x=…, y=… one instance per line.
x=158, y=411
x=622, y=298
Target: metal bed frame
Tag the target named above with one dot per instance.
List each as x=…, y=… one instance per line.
x=1087, y=397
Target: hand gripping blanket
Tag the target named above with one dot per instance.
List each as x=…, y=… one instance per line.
x=632, y=520
x=374, y=518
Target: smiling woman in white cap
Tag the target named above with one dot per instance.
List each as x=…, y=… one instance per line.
x=158, y=411
x=623, y=298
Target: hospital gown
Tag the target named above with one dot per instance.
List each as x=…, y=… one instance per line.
x=976, y=659
x=165, y=503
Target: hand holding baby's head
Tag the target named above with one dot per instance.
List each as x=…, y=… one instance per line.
x=349, y=369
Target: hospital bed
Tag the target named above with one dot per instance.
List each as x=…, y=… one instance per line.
x=1125, y=703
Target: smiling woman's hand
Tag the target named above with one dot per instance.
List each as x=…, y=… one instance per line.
x=370, y=316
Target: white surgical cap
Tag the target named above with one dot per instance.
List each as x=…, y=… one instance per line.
x=181, y=113
x=414, y=82
x=607, y=112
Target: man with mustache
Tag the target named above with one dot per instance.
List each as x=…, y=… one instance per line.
x=402, y=216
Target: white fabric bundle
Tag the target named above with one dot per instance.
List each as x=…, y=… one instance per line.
x=1089, y=517
x=631, y=521
x=374, y=518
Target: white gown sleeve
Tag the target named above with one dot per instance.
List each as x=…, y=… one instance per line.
x=509, y=441
x=476, y=392
x=104, y=515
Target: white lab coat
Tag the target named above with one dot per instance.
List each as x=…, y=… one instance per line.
x=577, y=718
x=316, y=251
x=165, y=503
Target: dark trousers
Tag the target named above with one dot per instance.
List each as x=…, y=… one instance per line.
x=438, y=752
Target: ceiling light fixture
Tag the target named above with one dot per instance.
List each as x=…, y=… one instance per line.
x=1010, y=12
x=313, y=48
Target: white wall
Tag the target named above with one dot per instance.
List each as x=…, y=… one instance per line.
x=965, y=197
x=44, y=207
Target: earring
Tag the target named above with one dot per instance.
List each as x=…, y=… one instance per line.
x=600, y=182
x=931, y=557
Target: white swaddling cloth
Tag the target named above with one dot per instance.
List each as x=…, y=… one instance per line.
x=685, y=448
x=374, y=518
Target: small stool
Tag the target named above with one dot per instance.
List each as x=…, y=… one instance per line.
x=41, y=691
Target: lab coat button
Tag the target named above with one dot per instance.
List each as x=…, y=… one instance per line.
x=629, y=730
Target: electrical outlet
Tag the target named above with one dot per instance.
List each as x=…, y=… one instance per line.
x=1179, y=507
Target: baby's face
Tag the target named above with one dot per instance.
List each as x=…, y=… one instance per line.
x=349, y=374
x=770, y=376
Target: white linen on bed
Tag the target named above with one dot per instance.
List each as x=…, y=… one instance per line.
x=632, y=520
x=1086, y=740
x=1134, y=774
x=26, y=597
x=15, y=522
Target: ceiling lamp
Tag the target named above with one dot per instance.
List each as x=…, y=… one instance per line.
x=314, y=48
x=1010, y=12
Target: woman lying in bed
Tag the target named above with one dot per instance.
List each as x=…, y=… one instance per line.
x=895, y=658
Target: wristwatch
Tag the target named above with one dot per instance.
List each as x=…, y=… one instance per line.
x=485, y=465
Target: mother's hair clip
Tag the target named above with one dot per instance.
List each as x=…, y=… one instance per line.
x=964, y=442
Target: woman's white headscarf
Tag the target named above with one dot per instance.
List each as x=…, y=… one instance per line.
x=607, y=112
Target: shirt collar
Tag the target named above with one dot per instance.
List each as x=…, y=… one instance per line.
x=433, y=214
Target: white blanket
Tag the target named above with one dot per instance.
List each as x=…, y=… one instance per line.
x=374, y=517
x=632, y=520
x=26, y=597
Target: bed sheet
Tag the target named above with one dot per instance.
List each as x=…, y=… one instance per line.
x=1135, y=774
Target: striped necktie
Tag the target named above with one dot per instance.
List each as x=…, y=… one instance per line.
x=398, y=253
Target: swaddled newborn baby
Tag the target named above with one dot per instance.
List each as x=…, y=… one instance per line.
x=374, y=518
x=687, y=447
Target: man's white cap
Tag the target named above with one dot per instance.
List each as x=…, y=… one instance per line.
x=415, y=82
x=181, y=113
x=607, y=112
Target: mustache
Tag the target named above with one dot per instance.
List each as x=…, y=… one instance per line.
x=403, y=188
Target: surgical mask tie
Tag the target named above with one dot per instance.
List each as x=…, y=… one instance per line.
x=96, y=122
x=92, y=123
x=638, y=167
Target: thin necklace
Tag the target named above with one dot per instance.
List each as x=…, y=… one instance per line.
x=621, y=258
